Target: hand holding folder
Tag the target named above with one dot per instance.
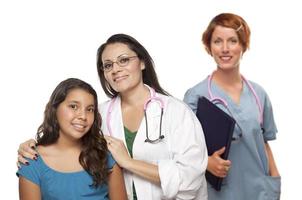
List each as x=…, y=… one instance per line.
x=218, y=129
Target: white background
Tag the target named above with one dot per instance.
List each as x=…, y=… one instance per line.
x=45, y=42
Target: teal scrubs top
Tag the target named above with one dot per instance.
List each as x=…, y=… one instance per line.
x=248, y=177
x=56, y=185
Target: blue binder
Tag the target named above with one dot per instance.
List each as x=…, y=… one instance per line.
x=218, y=129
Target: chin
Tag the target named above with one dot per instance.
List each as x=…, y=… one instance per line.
x=120, y=87
x=78, y=135
x=227, y=66
x=123, y=88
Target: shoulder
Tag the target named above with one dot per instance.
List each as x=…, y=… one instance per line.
x=193, y=94
x=32, y=165
x=42, y=150
x=256, y=86
x=260, y=91
x=199, y=88
x=171, y=101
x=32, y=171
x=103, y=106
x=174, y=105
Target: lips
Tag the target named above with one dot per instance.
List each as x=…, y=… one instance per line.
x=119, y=78
x=225, y=58
x=79, y=127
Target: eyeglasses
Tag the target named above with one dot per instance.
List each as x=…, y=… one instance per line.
x=122, y=61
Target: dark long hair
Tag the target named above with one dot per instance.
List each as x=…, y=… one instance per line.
x=149, y=74
x=93, y=157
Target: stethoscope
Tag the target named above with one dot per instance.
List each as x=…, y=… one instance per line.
x=153, y=98
x=219, y=100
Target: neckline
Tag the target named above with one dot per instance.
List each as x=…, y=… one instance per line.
x=132, y=132
x=57, y=171
x=224, y=94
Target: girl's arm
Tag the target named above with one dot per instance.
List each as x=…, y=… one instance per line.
x=116, y=185
x=28, y=190
x=271, y=162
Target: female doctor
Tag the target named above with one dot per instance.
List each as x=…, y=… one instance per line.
x=154, y=137
x=250, y=173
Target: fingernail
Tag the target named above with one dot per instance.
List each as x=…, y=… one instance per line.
x=35, y=158
x=27, y=163
x=33, y=147
x=36, y=155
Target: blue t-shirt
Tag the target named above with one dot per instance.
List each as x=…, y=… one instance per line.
x=58, y=185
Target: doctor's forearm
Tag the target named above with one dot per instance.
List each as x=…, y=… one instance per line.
x=271, y=162
x=144, y=169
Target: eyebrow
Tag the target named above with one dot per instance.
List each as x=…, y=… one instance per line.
x=232, y=37
x=77, y=102
x=72, y=101
x=124, y=54
x=91, y=105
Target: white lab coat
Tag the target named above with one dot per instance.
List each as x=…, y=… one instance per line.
x=181, y=156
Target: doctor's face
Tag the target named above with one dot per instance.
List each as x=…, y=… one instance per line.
x=122, y=68
x=226, y=48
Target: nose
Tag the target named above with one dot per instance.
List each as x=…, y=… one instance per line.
x=115, y=67
x=225, y=47
x=82, y=114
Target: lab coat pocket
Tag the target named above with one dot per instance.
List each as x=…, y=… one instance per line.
x=273, y=187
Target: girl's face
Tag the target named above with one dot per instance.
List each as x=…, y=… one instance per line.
x=124, y=69
x=75, y=114
x=226, y=48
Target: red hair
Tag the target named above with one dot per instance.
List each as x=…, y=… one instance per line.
x=228, y=20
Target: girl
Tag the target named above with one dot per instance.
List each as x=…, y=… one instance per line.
x=72, y=161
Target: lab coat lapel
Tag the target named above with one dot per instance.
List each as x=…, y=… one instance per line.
x=117, y=127
x=116, y=120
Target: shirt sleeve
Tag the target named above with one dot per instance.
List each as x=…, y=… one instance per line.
x=269, y=125
x=183, y=176
x=110, y=161
x=31, y=172
x=191, y=99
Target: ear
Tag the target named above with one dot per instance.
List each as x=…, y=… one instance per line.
x=208, y=51
x=142, y=66
x=242, y=52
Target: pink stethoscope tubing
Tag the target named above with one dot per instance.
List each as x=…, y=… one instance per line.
x=212, y=98
x=152, y=98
